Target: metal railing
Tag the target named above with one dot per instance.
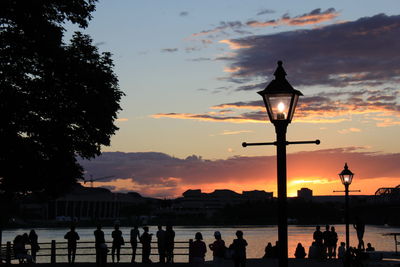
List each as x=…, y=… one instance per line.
x=54, y=249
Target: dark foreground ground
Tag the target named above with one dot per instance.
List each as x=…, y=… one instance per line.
x=250, y=263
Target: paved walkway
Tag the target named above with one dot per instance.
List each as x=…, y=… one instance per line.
x=250, y=263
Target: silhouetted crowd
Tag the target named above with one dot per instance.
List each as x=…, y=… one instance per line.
x=324, y=246
x=165, y=244
x=19, y=247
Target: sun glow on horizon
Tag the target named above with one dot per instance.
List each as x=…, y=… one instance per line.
x=173, y=187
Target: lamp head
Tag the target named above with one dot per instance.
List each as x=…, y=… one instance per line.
x=346, y=176
x=280, y=98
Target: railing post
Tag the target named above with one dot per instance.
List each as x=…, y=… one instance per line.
x=190, y=250
x=8, y=253
x=53, y=252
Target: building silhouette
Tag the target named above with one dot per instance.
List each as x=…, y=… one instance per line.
x=82, y=203
x=196, y=202
x=305, y=194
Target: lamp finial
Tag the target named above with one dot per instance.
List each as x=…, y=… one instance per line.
x=280, y=73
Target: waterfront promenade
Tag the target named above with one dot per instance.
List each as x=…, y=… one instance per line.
x=250, y=263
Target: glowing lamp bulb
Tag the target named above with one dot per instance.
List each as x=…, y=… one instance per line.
x=281, y=107
x=281, y=114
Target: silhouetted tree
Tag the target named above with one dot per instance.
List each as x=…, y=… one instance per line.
x=57, y=100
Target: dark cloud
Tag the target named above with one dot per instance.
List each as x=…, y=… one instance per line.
x=100, y=43
x=351, y=53
x=265, y=11
x=241, y=104
x=223, y=25
x=183, y=13
x=244, y=117
x=251, y=87
x=192, y=49
x=169, y=50
x=200, y=59
x=159, y=174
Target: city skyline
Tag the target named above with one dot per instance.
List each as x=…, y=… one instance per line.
x=190, y=72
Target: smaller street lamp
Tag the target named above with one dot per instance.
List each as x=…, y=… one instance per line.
x=346, y=177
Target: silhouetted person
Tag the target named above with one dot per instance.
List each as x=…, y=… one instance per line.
x=318, y=237
x=328, y=243
x=218, y=249
x=103, y=254
x=198, y=250
x=161, y=244
x=269, y=251
x=239, y=250
x=19, y=249
x=360, y=228
x=72, y=238
x=117, y=242
x=334, y=239
x=33, y=241
x=145, y=239
x=169, y=243
x=370, y=247
x=300, y=252
x=341, y=250
x=25, y=238
x=275, y=250
x=134, y=237
x=313, y=251
x=99, y=240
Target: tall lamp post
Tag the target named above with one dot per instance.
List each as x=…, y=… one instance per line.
x=280, y=100
x=346, y=176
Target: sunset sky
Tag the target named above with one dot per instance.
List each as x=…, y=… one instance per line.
x=191, y=69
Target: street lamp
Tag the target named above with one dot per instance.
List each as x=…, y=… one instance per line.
x=346, y=176
x=280, y=100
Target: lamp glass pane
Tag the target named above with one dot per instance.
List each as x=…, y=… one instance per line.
x=279, y=106
x=346, y=179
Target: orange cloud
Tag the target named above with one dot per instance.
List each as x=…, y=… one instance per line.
x=310, y=19
x=235, y=132
x=349, y=130
x=167, y=186
x=234, y=45
x=314, y=17
x=232, y=69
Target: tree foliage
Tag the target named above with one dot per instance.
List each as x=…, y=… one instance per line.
x=57, y=100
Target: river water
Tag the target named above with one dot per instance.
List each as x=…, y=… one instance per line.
x=257, y=238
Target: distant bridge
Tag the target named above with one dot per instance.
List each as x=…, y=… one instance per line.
x=384, y=191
